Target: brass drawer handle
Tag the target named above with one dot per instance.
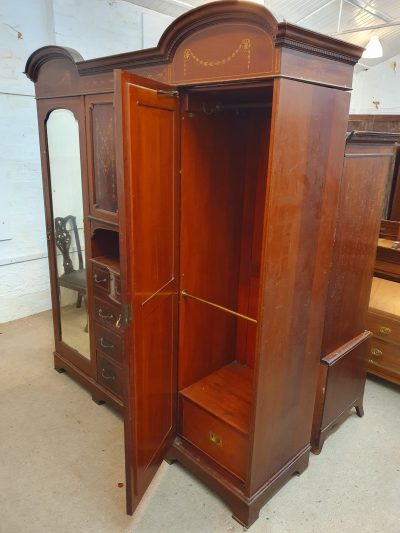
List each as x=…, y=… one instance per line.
x=118, y=322
x=100, y=313
x=375, y=352
x=384, y=330
x=103, y=345
x=103, y=375
x=215, y=439
x=99, y=280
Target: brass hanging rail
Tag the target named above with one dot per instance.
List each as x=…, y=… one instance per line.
x=185, y=294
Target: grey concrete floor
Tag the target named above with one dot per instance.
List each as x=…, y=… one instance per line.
x=61, y=459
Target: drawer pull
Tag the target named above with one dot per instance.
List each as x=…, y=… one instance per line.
x=100, y=313
x=103, y=375
x=215, y=439
x=104, y=345
x=99, y=280
x=384, y=330
x=375, y=352
x=118, y=322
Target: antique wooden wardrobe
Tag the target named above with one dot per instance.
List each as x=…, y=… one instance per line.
x=367, y=169
x=210, y=169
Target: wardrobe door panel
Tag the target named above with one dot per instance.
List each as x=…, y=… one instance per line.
x=62, y=139
x=148, y=166
x=100, y=125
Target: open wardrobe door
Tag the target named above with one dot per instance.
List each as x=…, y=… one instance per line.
x=148, y=161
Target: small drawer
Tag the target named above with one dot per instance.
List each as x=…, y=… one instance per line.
x=384, y=327
x=385, y=356
x=107, y=314
x=223, y=443
x=109, y=375
x=108, y=342
x=101, y=279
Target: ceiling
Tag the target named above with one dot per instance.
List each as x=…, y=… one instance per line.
x=352, y=20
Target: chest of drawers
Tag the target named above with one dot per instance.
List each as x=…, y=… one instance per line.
x=384, y=323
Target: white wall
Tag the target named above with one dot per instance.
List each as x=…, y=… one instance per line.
x=380, y=83
x=94, y=28
x=23, y=266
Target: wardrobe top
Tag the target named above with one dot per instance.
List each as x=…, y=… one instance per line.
x=223, y=40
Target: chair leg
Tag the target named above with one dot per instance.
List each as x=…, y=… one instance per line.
x=79, y=300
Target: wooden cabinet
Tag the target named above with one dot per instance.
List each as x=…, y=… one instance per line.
x=384, y=323
x=208, y=272
x=345, y=348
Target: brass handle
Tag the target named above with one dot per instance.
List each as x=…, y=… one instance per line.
x=384, y=330
x=105, y=345
x=375, y=352
x=215, y=439
x=100, y=313
x=105, y=376
x=118, y=322
x=97, y=280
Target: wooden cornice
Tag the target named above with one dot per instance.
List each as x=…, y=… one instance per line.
x=194, y=20
x=225, y=11
x=47, y=53
x=373, y=137
x=310, y=42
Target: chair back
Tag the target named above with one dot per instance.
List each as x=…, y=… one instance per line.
x=63, y=241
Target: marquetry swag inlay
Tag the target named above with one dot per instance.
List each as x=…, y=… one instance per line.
x=188, y=54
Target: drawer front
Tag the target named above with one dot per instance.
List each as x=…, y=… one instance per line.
x=384, y=355
x=109, y=375
x=227, y=446
x=108, y=342
x=384, y=328
x=101, y=279
x=107, y=314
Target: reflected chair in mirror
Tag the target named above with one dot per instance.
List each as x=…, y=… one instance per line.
x=74, y=279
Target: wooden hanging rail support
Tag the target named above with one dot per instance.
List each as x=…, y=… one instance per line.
x=185, y=294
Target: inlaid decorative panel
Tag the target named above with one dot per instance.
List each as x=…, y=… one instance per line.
x=103, y=153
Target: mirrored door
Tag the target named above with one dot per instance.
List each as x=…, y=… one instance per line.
x=64, y=158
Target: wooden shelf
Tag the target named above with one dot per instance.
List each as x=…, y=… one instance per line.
x=111, y=263
x=226, y=394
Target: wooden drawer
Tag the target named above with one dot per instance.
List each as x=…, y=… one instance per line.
x=107, y=314
x=384, y=327
x=223, y=443
x=101, y=279
x=108, y=342
x=384, y=356
x=109, y=375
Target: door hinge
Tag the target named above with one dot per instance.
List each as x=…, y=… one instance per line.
x=169, y=93
x=126, y=314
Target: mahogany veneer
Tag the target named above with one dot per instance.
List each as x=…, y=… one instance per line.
x=228, y=146
x=384, y=323
x=345, y=344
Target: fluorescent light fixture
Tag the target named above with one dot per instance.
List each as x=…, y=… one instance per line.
x=373, y=48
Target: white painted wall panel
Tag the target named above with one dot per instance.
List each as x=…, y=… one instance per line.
x=380, y=84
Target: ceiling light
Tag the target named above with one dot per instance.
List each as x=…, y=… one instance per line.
x=373, y=48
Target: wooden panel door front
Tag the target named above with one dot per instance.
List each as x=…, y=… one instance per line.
x=147, y=121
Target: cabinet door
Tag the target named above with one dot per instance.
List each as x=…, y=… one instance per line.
x=147, y=123
x=100, y=127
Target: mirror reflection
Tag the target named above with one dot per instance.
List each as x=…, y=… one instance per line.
x=66, y=192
